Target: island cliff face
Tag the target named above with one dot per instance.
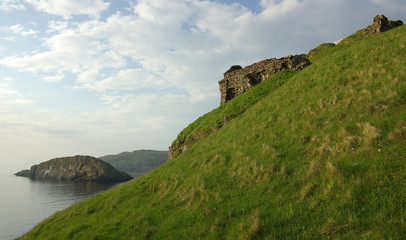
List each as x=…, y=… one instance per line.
x=77, y=168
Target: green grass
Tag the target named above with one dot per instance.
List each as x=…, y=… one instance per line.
x=216, y=119
x=320, y=155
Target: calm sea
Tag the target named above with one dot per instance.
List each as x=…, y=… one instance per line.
x=24, y=202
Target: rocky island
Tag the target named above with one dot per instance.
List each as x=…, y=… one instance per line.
x=77, y=168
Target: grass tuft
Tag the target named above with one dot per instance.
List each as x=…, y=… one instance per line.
x=399, y=133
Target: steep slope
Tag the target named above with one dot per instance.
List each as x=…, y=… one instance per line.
x=138, y=162
x=216, y=119
x=320, y=156
x=77, y=168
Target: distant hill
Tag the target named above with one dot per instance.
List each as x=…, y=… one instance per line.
x=138, y=162
x=314, y=154
x=77, y=168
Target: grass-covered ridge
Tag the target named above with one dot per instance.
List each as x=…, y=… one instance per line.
x=321, y=156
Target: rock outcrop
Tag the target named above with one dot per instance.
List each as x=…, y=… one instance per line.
x=381, y=24
x=238, y=80
x=77, y=168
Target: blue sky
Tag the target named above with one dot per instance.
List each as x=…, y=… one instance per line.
x=100, y=77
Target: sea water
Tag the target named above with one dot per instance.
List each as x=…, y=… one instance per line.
x=25, y=202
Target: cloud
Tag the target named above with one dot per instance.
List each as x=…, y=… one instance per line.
x=53, y=78
x=275, y=8
x=156, y=123
x=10, y=101
x=129, y=79
x=184, y=44
x=5, y=90
x=163, y=52
x=391, y=7
x=70, y=51
x=67, y=8
x=57, y=26
x=20, y=30
x=10, y=5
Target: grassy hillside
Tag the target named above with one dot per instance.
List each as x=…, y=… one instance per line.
x=320, y=155
x=216, y=119
x=137, y=163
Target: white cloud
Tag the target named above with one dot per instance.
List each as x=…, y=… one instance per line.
x=10, y=100
x=275, y=8
x=67, y=8
x=156, y=123
x=145, y=113
x=57, y=26
x=186, y=44
x=69, y=51
x=129, y=79
x=5, y=90
x=9, y=5
x=53, y=78
x=391, y=7
x=20, y=30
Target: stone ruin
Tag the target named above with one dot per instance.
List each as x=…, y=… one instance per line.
x=381, y=24
x=238, y=80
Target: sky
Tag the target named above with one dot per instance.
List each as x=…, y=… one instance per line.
x=98, y=77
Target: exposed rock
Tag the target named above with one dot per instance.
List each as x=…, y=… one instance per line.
x=238, y=80
x=381, y=24
x=77, y=168
x=176, y=150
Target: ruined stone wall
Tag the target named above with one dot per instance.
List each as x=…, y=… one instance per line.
x=238, y=80
x=382, y=24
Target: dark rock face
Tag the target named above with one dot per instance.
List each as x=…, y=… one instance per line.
x=382, y=24
x=77, y=168
x=238, y=80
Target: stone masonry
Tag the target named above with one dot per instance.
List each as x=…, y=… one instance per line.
x=382, y=24
x=238, y=80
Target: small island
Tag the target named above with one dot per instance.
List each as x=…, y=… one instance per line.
x=77, y=168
